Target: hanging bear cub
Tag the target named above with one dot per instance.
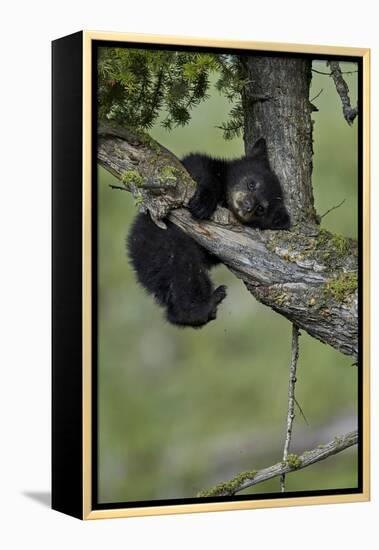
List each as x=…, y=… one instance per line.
x=171, y=265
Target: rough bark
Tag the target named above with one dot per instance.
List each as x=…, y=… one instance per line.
x=276, y=106
x=342, y=88
x=307, y=276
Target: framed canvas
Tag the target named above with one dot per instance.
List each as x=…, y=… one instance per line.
x=210, y=275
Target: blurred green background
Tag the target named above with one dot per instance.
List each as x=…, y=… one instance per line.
x=180, y=409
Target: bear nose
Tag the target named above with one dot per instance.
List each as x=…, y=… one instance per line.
x=248, y=206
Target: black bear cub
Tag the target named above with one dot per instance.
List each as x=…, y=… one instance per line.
x=171, y=265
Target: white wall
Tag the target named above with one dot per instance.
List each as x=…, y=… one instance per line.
x=27, y=28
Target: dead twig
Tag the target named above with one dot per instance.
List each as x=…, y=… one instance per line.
x=342, y=88
x=291, y=399
x=333, y=208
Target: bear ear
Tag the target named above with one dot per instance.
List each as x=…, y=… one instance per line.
x=259, y=150
x=281, y=219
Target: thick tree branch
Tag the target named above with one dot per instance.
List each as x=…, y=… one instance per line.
x=293, y=462
x=304, y=274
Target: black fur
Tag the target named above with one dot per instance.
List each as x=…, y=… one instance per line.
x=171, y=265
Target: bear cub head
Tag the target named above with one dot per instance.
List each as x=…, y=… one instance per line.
x=253, y=191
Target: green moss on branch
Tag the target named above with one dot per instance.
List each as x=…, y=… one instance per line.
x=228, y=487
x=168, y=174
x=293, y=461
x=132, y=177
x=342, y=287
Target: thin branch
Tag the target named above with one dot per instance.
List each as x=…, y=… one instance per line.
x=317, y=95
x=321, y=72
x=333, y=208
x=330, y=74
x=301, y=412
x=343, y=91
x=118, y=187
x=291, y=399
x=293, y=463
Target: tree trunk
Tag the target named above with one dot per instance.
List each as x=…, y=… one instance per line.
x=276, y=106
x=306, y=275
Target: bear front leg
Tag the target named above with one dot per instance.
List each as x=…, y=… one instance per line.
x=203, y=203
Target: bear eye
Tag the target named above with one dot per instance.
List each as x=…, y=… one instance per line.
x=259, y=210
x=251, y=185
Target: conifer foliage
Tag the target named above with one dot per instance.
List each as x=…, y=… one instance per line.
x=138, y=86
